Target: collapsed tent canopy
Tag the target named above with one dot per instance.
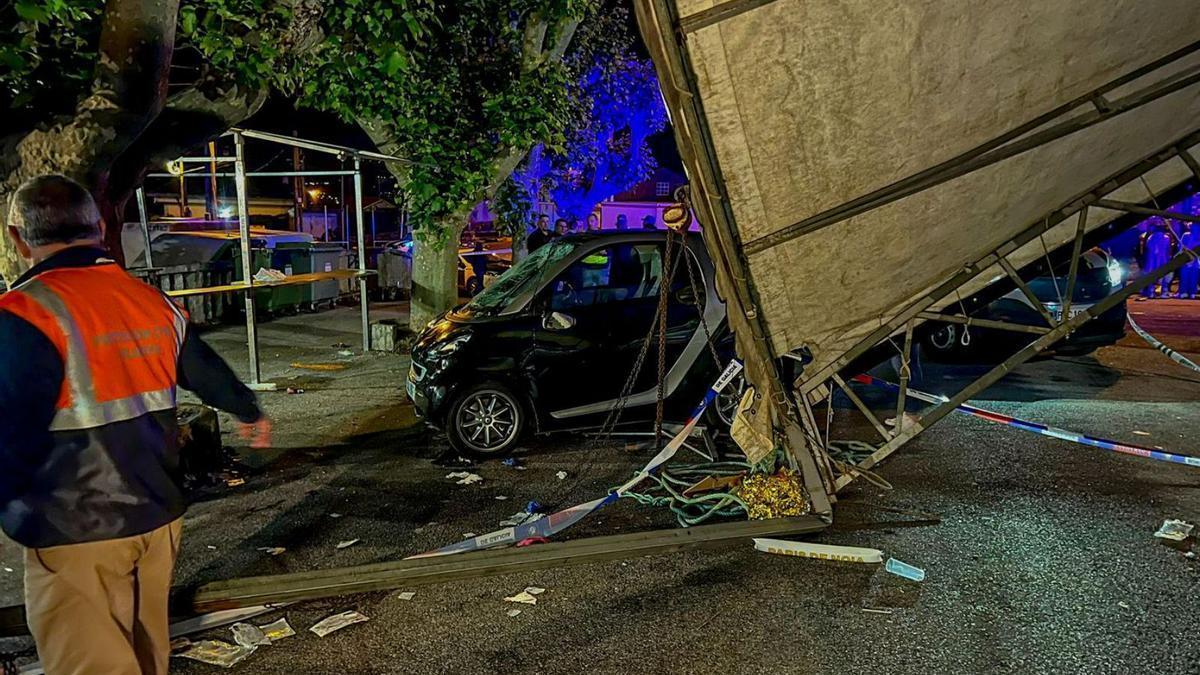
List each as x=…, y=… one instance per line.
x=866, y=153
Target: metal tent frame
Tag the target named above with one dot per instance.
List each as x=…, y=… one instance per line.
x=240, y=176
x=666, y=36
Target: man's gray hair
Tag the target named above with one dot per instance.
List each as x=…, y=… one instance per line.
x=54, y=209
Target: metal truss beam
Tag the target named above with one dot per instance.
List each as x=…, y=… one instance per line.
x=983, y=323
x=995, y=374
x=1130, y=207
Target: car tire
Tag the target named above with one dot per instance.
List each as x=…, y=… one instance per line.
x=719, y=415
x=486, y=420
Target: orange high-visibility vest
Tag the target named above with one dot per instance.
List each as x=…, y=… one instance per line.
x=118, y=337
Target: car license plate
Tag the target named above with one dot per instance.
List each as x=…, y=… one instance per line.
x=1057, y=313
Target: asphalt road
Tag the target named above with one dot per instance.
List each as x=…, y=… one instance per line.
x=1043, y=559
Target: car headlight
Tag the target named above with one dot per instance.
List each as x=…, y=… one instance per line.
x=444, y=349
x=1115, y=273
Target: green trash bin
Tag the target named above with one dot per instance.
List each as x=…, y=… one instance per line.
x=291, y=259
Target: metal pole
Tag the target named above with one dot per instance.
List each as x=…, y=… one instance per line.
x=247, y=275
x=905, y=375
x=1076, y=251
x=362, y=256
x=141, y=203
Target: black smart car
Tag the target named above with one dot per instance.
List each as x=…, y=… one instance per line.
x=551, y=344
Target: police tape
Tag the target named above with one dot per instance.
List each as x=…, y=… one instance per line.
x=1157, y=344
x=561, y=520
x=1042, y=429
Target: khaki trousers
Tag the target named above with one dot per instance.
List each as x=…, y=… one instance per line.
x=101, y=607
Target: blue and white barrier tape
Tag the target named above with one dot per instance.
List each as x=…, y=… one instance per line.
x=1042, y=429
x=561, y=520
x=1170, y=353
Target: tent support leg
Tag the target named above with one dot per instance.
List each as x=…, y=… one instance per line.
x=862, y=408
x=905, y=375
x=1026, y=290
x=1076, y=251
x=247, y=275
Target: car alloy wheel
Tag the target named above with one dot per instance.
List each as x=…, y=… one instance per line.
x=728, y=399
x=944, y=339
x=488, y=420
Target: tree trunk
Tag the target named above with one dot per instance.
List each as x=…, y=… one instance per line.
x=435, y=272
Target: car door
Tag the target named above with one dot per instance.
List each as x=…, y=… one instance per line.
x=598, y=313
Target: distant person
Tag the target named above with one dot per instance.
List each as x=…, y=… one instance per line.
x=541, y=236
x=89, y=440
x=1189, y=274
x=1158, y=252
x=479, y=263
x=573, y=225
x=561, y=227
x=593, y=222
x=648, y=223
x=622, y=222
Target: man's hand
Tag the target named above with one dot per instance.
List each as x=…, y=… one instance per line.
x=257, y=433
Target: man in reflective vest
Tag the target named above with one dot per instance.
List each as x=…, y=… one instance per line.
x=90, y=359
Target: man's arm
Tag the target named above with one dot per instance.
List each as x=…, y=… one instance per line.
x=204, y=372
x=31, y=377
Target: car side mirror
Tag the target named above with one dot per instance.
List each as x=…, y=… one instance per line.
x=558, y=321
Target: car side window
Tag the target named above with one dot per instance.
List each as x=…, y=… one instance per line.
x=617, y=273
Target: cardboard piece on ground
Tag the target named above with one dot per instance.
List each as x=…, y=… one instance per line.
x=714, y=483
x=748, y=429
x=524, y=598
x=806, y=549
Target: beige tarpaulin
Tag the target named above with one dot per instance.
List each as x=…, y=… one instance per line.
x=810, y=104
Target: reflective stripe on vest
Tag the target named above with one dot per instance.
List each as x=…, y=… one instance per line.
x=144, y=348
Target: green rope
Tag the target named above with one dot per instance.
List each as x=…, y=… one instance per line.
x=669, y=486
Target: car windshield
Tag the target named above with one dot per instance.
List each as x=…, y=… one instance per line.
x=525, y=275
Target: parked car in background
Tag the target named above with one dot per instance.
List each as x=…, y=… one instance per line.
x=498, y=262
x=550, y=344
x=1099, y=276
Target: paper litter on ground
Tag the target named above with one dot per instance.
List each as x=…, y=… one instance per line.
x=348, y=543
x=1175, y=530
x=337, y=622
x=534, y=590
x=277, y=630
x=216, y=653
x=249, y=636
x=562, y=475
x=524, y=598
x=407, y=595
x=520, y=518
x=465, y=477
x=272, y=550
x=514, y=612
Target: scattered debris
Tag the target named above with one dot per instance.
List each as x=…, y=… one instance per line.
x=337, y=622
x=465, y=477
x=501, y=498
x=211, y=547
x=448, y=461
x=216, y=653
x=407, y=595
x=1174, y=530
x=249, y=636
x=348, y=543
x=524, y=598
x=335, y=515
x=905, y=570
x=513, y=612
x=266, y=275
x=469, y=535
x=179, y=644
x=533, y=507
x=534, y=590
x=511, y=462
x=714, y=483
x=295, y=390
x=277, y=630
x=272, y=550
x=873, y=610
x=561, y=475
x=8, y=569
x=1123, y=605
x=520, y=518
x=234, y=482
x=345, y=352
x=1139, y=432
x=806, y=549
x=320, y=366
x=531, y=541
